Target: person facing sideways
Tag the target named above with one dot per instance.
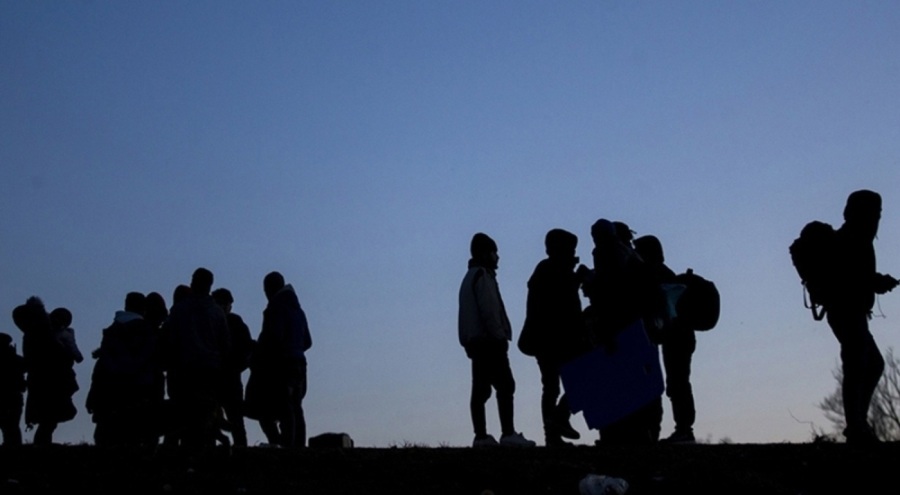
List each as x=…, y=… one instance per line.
x=554, y=331
x=61, y=319
x=485, y=332
x=51, y=379
x=621, y=291
x=198, y=343
x=12, y=390
x=849, y=308
x=237, y=361
x=277, y=384
x=678, y=345
x=126, y=394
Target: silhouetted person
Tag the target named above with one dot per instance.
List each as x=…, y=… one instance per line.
x=621, y=290
x=277, y=383
x=61, y=319
x=678, y=345
x=617, y=286
x=12, y=390
x=485, y=332
x=238, y=361
x=198, y=347
x=125, y=398
x=156, y=311
x=856, y=282
x=554, y=330
x=51, y=379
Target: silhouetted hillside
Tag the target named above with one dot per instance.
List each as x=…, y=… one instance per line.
x=685, y=469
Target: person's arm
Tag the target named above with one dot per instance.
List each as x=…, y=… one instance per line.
x=490, y=307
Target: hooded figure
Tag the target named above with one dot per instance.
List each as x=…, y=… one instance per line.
x=277, y=384
x=856, y=282
x=51, y=379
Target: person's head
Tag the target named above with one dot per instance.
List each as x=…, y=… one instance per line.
x=156, y=312
x=863, y=211
x=272, y=283
x=135, y=302
x=623, y=232
x=201, y=281
x=649, y=249
x=603, y=231
x=560, y=243
x=484, y=251
x=180, y=293
x=60, y=318
x=223, y=298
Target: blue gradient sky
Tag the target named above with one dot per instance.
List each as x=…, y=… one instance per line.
x=357, y=146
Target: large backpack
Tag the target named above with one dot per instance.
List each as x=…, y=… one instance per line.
x=698, y=307
x=813, y=256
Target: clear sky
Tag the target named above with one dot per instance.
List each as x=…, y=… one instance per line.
x=357, y=146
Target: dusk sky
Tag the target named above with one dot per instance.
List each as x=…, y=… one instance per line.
x=356, y=146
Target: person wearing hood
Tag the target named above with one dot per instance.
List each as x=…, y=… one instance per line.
x=848, y=310
x=485, y=332
x=51, y=380
x=126, y=391
x=277, y=384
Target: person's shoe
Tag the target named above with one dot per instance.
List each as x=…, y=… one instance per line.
x=516, y=440
x=680, y=437
x=485, y=441
x=565, y=430
x=862, y=436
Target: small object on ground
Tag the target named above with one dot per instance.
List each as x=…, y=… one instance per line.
x=598, y=484
x=331, y=441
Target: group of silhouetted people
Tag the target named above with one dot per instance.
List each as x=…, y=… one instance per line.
x=164, y=373
x=176, y=373
x=629, y=283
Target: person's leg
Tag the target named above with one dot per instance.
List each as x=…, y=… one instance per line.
x=294, y=425
x=861, y=365
x=481, y=390
x=233, y=405
x=677, y=355
x=503, y=382
x=12, y=416
x=549, y=394
x=43, y=435
x=270, y=430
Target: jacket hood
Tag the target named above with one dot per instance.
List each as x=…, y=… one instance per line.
x=287, y=296
x=126, y=316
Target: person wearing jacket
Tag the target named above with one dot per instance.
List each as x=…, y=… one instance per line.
x=51, y=380
x=237, y=361
x=126, y=394
x=849, y=309
x=485, y=332
x=554, y=331
x=277, y=384
x=12, y=390
x=197, y=346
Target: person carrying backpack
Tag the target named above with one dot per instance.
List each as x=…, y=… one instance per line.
x=854, y=282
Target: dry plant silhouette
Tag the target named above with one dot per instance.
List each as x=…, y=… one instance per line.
x=884, y=412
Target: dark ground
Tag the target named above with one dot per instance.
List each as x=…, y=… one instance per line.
x=663, y=469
